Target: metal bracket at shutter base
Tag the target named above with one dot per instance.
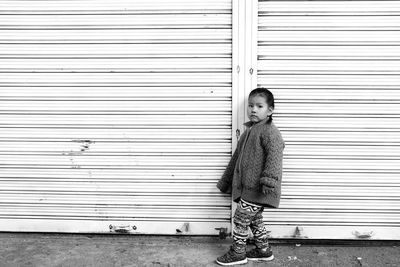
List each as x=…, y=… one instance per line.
x=123, y=229
x=223, y=232
x=299, y=232
x=184, y=229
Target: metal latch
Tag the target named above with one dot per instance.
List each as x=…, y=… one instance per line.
x=237, y=134
x=123, y=229
x=223, y=232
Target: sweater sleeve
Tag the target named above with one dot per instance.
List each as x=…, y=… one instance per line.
x=225, y=183
x=272, y=173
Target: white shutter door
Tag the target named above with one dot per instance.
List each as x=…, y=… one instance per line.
x=114, y=114
x=334, y=68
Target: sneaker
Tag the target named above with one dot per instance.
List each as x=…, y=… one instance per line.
x=232, y=258
x=260, y=255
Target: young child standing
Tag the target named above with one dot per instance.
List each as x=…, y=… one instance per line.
x=253, y=176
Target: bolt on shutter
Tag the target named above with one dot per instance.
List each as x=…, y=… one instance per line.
x=115, y=115
x=334, y=69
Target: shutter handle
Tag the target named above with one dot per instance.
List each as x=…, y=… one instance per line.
x=123, y=229
x=357, y=234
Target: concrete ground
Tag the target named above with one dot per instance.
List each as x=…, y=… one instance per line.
x=23, y=249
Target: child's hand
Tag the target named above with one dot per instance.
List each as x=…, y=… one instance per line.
x=265, y=189
x=268, y=182
x=224, y=187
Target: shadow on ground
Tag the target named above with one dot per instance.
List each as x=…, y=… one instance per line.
x=53, y=250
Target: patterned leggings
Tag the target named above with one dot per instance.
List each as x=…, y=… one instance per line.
x=248, y=215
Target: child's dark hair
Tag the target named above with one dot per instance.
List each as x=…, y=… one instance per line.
x=269, y=97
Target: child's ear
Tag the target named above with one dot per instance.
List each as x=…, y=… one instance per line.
x=270, y=111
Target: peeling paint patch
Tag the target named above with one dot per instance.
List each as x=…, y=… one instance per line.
x=85, y=144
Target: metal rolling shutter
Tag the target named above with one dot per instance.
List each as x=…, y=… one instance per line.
x=114, y=114
x=334, y=68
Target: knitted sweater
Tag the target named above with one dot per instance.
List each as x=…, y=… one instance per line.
x=257, y=161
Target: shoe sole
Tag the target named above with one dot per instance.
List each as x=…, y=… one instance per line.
x=232, y=263
x=262, y=259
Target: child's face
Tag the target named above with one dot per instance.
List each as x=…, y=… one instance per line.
x=258, y=109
